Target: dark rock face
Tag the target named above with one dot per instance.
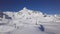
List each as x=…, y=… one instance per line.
x=1, y=14
x=6, y=16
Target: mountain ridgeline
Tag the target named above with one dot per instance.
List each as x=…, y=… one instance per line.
x=26, y=15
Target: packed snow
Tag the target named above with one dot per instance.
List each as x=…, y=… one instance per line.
x=29, y=22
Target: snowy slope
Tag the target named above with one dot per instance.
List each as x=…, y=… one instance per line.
x=28, y=22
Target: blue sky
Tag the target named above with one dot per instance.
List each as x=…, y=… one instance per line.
x=45, y=6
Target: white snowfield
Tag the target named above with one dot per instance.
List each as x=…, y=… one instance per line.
x=29, y=22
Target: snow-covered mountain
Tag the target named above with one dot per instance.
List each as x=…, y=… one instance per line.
x=28, y=21
x=29, y=16
x=26, y=14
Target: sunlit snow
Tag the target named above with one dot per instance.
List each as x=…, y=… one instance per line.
x=29, y=22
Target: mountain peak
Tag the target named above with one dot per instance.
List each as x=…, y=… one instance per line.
x=24, y=8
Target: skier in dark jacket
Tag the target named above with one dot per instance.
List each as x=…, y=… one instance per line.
x=42, y=28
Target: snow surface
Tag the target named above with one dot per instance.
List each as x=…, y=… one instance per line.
x=28, y=22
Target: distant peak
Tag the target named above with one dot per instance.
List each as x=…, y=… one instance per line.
x=24, y=8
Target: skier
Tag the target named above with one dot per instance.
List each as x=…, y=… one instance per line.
x=42, y=28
